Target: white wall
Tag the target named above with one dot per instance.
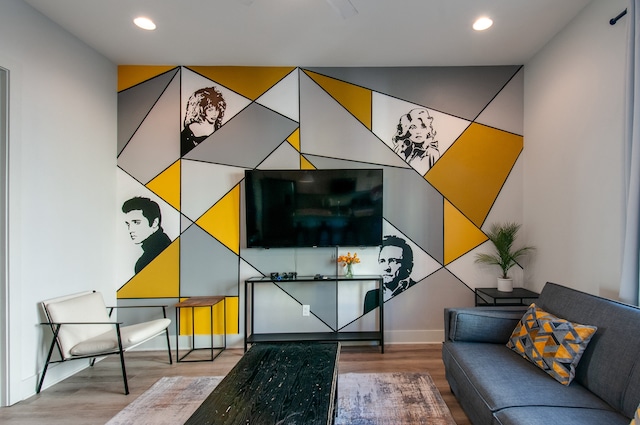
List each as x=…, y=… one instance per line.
x=62, y=179
x=574, y=100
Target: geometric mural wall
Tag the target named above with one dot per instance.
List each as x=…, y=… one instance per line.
x=447, y=138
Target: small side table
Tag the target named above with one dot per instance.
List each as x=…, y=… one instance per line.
x=193, y=303
x=493, y=297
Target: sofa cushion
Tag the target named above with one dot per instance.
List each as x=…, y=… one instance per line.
x=534, y=415
x=553, y=344
x=489, y=377
x=475, y=325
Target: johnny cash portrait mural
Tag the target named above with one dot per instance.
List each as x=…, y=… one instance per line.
x=395, y=259
x=448, y=140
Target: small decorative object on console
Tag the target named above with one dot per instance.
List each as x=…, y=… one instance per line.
x=348, y=261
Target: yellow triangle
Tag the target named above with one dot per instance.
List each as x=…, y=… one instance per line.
x=222, y=221
x=294, y=139
x=305, y=164
x=249, y=81
x=167, y=185
x=460, y=234
x=355, y=99
x=474, y=169
x=130, y=75
x=159, y=279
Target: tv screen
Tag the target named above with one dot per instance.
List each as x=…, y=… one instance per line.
x=313, y=208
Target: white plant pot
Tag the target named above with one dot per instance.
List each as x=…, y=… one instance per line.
x=505, y=285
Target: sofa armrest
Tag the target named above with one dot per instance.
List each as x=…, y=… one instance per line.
x=481, y=324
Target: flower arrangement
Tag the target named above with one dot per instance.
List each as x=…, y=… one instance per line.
x=348, y=261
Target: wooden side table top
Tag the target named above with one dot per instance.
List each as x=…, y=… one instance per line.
x=276, y=383
x=200, y=301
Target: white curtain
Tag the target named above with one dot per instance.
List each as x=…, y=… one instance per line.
x=630, y=275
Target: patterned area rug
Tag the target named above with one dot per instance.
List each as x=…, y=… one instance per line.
x=363, y=399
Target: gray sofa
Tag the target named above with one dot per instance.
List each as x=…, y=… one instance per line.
x=495, y=385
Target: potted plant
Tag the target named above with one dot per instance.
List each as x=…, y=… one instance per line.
x=503, y=236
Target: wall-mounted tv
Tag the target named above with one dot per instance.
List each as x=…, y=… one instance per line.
x=313, y=208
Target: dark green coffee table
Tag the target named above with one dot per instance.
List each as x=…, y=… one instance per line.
x=285, y=383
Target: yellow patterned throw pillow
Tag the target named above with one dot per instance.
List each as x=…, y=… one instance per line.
x=554, y=345
x=636, y=417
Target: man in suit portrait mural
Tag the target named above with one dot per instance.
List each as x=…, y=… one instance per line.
x=144, y=222
x=396, y=262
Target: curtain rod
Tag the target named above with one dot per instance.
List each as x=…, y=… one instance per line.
x=613, y=21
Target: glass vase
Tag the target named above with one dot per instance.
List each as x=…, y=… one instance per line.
x=348, y=273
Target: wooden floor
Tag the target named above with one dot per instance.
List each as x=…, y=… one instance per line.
x=96, y=394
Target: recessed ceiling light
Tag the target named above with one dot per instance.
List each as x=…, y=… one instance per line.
x=482, y=24
x=144, y=23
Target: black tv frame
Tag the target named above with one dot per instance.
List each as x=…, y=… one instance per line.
x=313, y=208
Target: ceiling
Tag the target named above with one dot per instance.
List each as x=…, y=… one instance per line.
x=313, y=32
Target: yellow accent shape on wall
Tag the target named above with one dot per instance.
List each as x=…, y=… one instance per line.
x=202, y=325
x=222, y=220
x=167, y=185
x=294, y=139
x=355, y=99
x=460, y=234
x=474, y=169
x=249, y=81
x=130, y=75
x=159, y=279
x=305, y=164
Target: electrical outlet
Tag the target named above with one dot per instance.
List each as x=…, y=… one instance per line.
x=306, y=309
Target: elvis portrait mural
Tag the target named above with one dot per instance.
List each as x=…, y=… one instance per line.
x=144, y=223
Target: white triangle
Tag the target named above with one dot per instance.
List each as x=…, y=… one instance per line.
x=284, y=97
x=203, y=184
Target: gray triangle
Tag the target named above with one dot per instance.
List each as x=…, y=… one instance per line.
x=135, y=103
x=207, y=267
x=462, y=91
x=246, y=139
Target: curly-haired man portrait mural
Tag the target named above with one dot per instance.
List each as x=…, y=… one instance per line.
x=203, y=115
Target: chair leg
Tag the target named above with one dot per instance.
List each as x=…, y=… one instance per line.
x=121, y=352
x=124, y=373
x=46, y=364
x=168, y=346
x=41, y=381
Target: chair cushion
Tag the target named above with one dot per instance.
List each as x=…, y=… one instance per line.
x=88, y=307
x=130, y=336
x=553, y=344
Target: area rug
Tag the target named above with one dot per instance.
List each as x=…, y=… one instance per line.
x=363, y=399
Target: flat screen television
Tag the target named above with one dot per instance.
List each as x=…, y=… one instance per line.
x=313, y=208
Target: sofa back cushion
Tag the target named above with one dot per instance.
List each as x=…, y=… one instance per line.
x=608, y=365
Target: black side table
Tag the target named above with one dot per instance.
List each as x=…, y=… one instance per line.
x=493, y=297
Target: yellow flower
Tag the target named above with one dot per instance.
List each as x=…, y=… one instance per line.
x=348, y=259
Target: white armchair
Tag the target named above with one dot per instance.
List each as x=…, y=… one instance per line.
x=82, y=329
